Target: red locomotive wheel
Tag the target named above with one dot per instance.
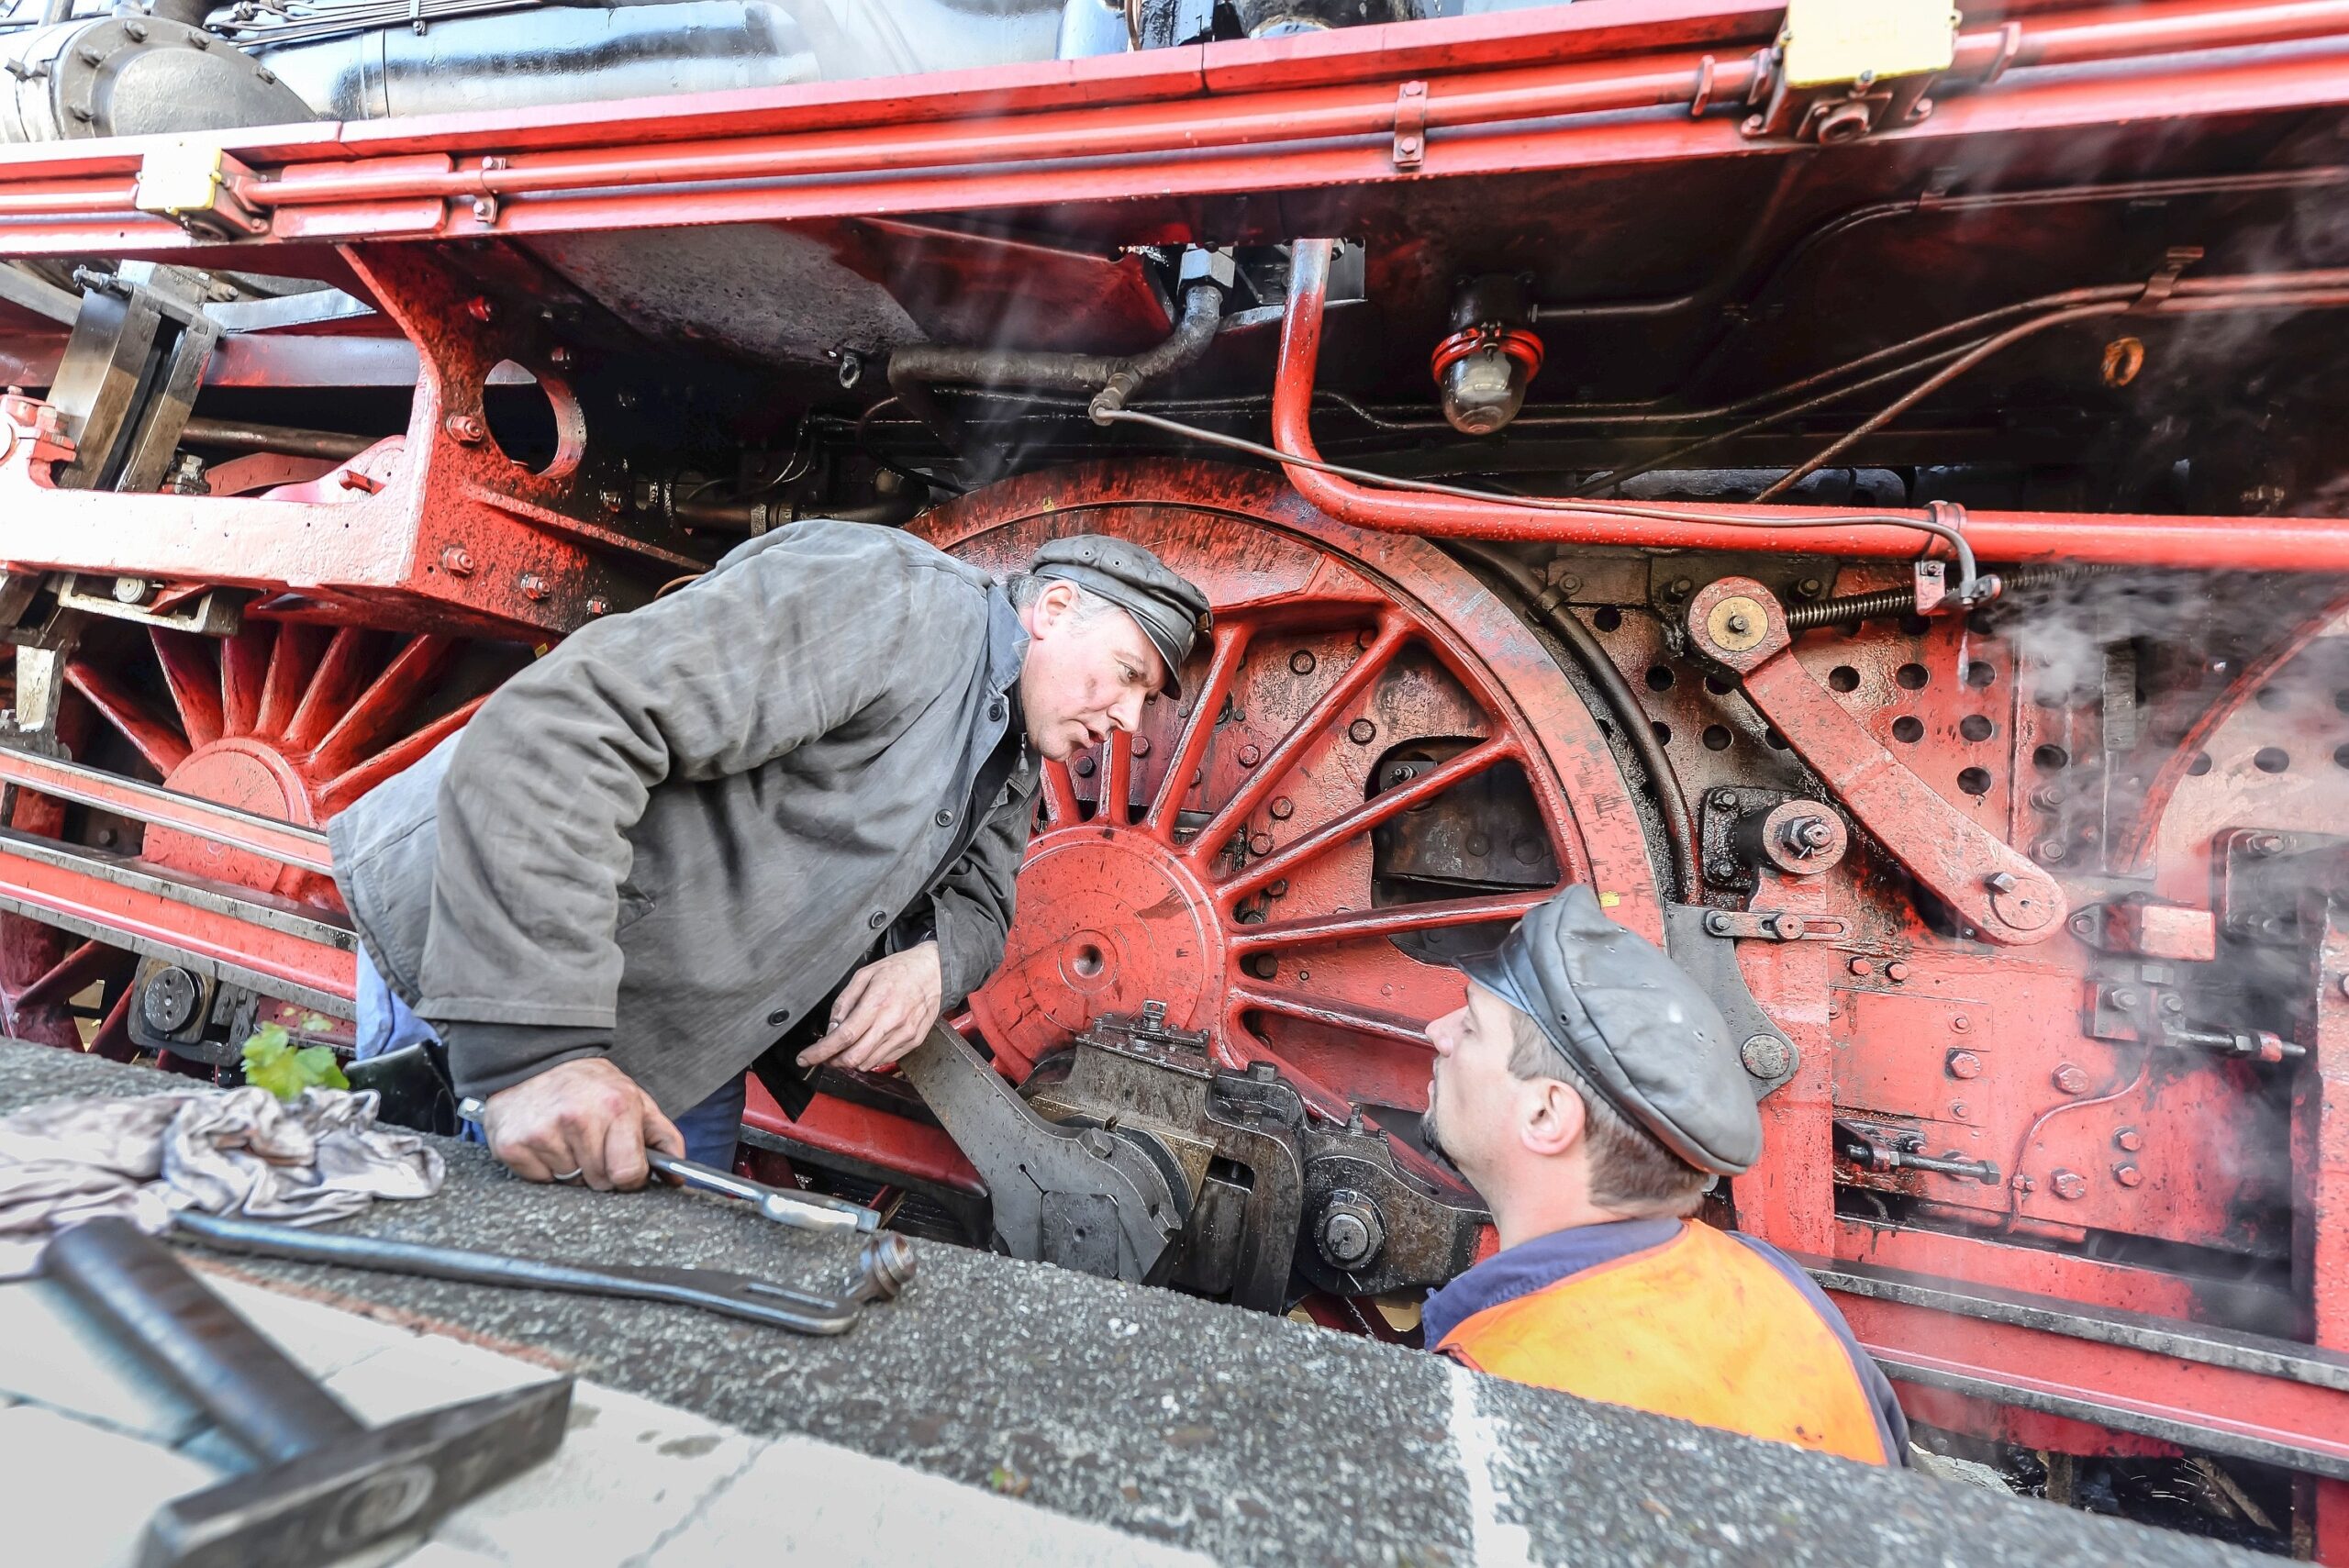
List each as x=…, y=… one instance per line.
x=285, y=720
x=1376, y=766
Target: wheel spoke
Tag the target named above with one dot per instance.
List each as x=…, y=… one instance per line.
x=1117, y=777
x=244, y=672
x=1231, y=646
x=194, y=680
x=332, y=687
x=292, y=658
x=67, y=979
x=1361, y=819
x=1060, y=792
x=1294, y=1003
x=1322, y=930
x=396, y=758
x=373, y=716
x=156, y=741
x=1393, y=632
x=112, y=1039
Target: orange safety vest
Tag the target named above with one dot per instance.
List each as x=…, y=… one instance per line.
x=1679, y=1319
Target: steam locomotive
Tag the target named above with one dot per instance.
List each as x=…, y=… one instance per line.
x=1856, y=485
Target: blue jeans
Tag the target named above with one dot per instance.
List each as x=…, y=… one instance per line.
x=387, y=1023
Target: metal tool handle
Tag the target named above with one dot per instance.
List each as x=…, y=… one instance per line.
x=802, y=1211
x=133, y=1285
x=712, y=1290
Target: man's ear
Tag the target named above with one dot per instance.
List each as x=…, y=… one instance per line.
x=1053, y=604
x=1553, y=1120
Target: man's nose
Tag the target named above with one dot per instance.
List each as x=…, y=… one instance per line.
x=1126, y=712
x=1441, y=1034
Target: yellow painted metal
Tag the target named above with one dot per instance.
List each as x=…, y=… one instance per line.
x=1828, y=42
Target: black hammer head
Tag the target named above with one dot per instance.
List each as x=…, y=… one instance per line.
x=349, y=1494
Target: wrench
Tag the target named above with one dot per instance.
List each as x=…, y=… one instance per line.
x=801, y=1211
x=885, y=1266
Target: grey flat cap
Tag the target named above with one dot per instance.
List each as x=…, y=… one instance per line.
x=1170, y=610
x=1633, y=1023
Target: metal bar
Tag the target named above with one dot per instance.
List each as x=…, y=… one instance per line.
x=2219, y=1392
x=591, y=166
x=268, y=945
x=303, y=847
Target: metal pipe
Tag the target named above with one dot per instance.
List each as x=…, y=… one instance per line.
x=2304, y=544
x=915, y=370
x=1135, y=130
x=232, y=435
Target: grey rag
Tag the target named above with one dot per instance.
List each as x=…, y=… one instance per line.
x=238, y=1152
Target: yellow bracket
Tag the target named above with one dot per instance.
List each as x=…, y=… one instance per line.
x=192, y=185
x=1829, y=42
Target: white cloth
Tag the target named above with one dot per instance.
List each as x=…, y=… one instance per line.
x=221, y=1151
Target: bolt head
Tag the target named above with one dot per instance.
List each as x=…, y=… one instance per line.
x=2071, y=1080
x=2070, y=1185
x=465, y=429
x=1896, y=971
x=2000, y=882
x=1768, y=1057
x=2128, y=1175
x=457, y=561
x=599, y=605
x=1961, y=1024
x=2129, y=1141
x=1963, y=1064
x=534, y=586
x=132, y=590
x=1250, y=756
x=1282, y=808
x=1861, y=966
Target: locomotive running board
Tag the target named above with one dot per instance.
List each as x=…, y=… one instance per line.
x=298, y=952
x=2246, y=1395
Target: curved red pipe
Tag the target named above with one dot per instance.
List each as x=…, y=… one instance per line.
x=2303, y=544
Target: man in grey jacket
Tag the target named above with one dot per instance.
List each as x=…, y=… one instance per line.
x=655, y=852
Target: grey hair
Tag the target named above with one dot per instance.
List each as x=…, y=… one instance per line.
x=1026, y=588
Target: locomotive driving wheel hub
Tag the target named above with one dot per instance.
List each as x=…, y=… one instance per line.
x=1143, y=936
x=1147, y=928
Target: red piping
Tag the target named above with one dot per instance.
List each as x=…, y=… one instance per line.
x=2304, y=544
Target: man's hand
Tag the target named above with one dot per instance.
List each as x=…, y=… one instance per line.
x=885, y=1011
x=583, y=1116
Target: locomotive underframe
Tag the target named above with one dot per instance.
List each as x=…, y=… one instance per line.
x=2049, y=1026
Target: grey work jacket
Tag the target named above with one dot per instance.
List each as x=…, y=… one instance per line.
x=672, y=836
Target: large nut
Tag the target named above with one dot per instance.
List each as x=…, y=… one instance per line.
x=1352, y=1231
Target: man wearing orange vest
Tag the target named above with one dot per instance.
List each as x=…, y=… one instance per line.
x=1589, y=1091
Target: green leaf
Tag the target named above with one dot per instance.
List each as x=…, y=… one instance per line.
x=271, y=1062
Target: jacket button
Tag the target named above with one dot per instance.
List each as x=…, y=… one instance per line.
x=780, y=1017
x=995, y=711
x=878, y=918
x=943, y=817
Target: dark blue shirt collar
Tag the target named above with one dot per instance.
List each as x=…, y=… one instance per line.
x=1536, y=1265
